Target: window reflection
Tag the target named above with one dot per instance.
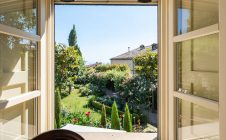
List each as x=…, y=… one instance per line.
x=195, y=14
x=197, y=67
x=21, y=14
x=196, y=122
x=17, y=66
x=18, y=122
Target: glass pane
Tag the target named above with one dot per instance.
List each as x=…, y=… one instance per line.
x=197, y=67
x=195, y=122
x=17, y=66
x=195, y=14
x=21, y=14
x=18, y=122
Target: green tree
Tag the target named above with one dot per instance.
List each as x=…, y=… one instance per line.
x=103, y=116
x=146, y=65
x=57, y=108
x=66, y=66
x=72, y=40
x=127, y=122
x=115, y=122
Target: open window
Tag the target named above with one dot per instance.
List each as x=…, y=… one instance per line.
x=117, y=55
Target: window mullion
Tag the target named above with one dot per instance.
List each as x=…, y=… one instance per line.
x=18, y=33
x=198, y=100
x=212, y=29
x=4, y=104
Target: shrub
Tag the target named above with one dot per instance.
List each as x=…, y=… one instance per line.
x=115, y=122
x=58, y=109
x=105, y=76
x=106, y=100
x=127, y=122
x=103, y=116
x=116, y=78
x=95, y=90
x=97, y=79
x=91, y=99
x=78, y=118
x=90, y=89
x=107, y=67
x=85, y=90
x=110, y=100
x=97, y=105
x=138, y=92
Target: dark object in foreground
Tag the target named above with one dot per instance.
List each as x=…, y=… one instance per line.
x=58, y=134
x=145, y=1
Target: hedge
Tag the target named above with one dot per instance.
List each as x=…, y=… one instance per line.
x=107, y=67
x=98, y=106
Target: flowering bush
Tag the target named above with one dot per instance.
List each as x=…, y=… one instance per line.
x=88, y=114
x=78, y=118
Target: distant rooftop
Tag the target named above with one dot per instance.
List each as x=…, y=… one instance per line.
x=133, y=53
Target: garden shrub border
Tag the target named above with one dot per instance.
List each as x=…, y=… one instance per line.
x=97, y=105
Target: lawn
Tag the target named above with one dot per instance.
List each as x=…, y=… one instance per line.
x=75, y=103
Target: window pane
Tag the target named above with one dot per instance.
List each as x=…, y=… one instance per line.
x=196, y=122
x=18, y=122
x=17, y=66
x=21, y=14
x=197, y=67
x=195, y=14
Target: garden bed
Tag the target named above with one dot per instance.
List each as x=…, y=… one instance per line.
x=80, y=110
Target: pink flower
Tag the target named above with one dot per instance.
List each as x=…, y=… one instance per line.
x=88, y=113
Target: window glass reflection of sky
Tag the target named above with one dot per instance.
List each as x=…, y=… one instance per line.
x=183, y=19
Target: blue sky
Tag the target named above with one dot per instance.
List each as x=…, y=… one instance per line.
x=106, y=31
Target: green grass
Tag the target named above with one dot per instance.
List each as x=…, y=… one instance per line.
x=75, y=103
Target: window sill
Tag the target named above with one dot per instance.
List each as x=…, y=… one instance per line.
x=92, y=133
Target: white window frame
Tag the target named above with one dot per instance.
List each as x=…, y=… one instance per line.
x=43, y=96
x=46, y=107
x=23, y=98
x=166, y=102
x=12, y=31
x=170, y=68
x=222, y=68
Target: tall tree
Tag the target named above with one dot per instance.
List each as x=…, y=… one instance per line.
x=57, y=108
x=72, y=40
x=103, y=116
x=115, y=122
x=127, y=122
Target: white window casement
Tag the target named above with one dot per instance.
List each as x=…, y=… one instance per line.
x=19, y=49
x=193, y=64
x=25, y=71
